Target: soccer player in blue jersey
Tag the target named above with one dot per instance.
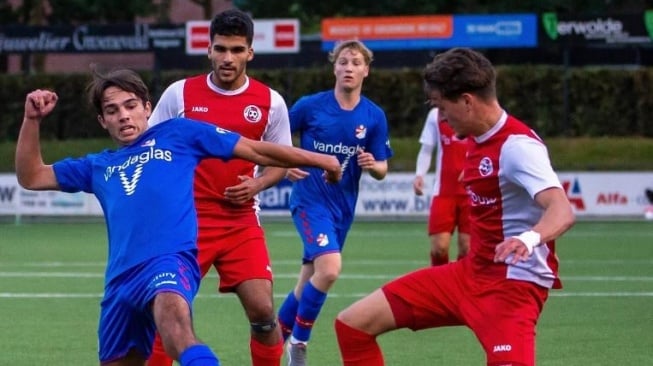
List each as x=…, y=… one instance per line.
x=345, y=124
x=145, y=188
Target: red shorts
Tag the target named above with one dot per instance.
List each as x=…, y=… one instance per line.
x=502, y=313
x=238, y=253
x=447, y=213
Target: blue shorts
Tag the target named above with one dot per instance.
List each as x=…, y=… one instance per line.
x=126, y=319
x=319, y=232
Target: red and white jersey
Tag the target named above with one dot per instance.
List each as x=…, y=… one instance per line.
x=505, y=168
x=450, y=155
x=254, y=110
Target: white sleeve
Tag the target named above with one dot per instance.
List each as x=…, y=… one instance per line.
x=423, y=160
x=525, y=161
x=278, y=128
x=429, y=139
x=170, y=105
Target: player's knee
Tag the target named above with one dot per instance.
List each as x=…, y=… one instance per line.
x=264, y=327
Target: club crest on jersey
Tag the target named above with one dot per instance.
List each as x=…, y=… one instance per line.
x=485, y=167
x=322, y=240
x=252, y=113
x=149, y=143
x=361, y=132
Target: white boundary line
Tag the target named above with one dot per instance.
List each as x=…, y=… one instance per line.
x=54, y=295
x=85, y=275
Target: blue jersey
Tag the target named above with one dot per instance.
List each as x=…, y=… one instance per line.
x=326, y=128
x=146, y=189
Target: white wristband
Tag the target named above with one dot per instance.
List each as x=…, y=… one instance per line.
x=530, y=238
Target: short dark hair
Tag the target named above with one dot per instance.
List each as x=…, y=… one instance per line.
x=124, y=79
x=458, y=71
x=233, y=22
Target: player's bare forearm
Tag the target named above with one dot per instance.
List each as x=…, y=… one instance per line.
x=270, y=154
x=558, y=215
x=271, y=175
x=31, y=172
x=379, y=170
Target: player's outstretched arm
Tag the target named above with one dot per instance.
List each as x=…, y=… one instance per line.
x=271, y=154
x=31, y=172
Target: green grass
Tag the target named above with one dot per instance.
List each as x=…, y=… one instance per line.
x=612, y=154
x=52, y=283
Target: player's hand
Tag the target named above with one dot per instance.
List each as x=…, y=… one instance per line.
x=510, y=246
x=365, y=160
x=333, y=173
x=418, y=185
x=295, y=174
x=244, y=191
x=39, y=103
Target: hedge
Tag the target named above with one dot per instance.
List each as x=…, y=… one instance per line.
x=555, y=101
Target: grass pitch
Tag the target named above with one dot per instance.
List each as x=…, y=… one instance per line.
x=52, y=277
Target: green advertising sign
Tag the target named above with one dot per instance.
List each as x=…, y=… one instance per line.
x=550, y=24
x=648, y=22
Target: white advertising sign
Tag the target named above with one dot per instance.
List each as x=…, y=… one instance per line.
x=270, y=36
x=592, y=194
x=8, y=194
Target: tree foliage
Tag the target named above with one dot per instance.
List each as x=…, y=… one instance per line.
x=98, y=11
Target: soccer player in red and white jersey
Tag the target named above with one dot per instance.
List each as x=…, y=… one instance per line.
x=449, y=206
x=230, y=236
x=518, y=209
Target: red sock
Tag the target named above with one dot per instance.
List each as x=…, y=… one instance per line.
x=264, y=355
x=357, y=348
x=159, y=356
x=439, y=260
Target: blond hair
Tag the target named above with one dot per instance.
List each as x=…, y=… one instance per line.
x=352, y=44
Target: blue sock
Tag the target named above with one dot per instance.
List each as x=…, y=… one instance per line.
x=287, y=314
x=309, y=308
x=198, y=355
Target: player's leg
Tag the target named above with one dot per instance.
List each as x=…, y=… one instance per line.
x=506, y=330
x=422, y=299
x=357, y=327
x=288, y=309
x=442, y=220
x=322, y=246
x=440, y=248
x=208, y=251
x=116, y=344
x=243, y=264
x=174, y=282
x=133, y=358
x=172, y=316
x=266, y=344
x=462, y=220
x=313, y=296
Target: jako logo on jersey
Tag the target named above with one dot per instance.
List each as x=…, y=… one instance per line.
x=252, y=113
x=485, y=167
x=322, y=240
x=200, y=109
x=361, y=132
x=138, y=160
x=502, y=348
